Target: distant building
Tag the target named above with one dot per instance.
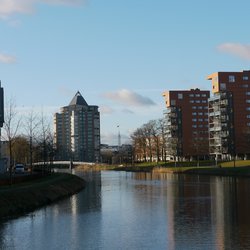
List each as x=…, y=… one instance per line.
x=229, y=114
x=77, y=131
x=186, y=119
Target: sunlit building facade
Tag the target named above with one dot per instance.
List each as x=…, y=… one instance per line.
x=77, y=131
x=186, y=122
x=229, y=114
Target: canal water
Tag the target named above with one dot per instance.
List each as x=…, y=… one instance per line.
x=120, y=210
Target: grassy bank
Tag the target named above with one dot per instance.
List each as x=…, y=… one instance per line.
x=25, y=197
x=239, y=169
x=230, y=168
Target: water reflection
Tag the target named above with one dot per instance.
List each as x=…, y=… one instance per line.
x=120, y=210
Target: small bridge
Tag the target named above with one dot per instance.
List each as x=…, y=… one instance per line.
x=60, y=163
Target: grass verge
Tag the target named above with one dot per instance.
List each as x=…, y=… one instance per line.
x=21, y=198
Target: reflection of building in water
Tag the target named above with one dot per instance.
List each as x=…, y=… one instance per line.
x=188, y=211
x=88, y=199
x=230, y=212
x=217, y=211
x=201, y=211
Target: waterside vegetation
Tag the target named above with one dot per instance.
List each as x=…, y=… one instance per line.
x=229, y=168
x=24, y=197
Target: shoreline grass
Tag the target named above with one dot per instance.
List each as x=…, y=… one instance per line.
x=21, y=198
x=241, y=169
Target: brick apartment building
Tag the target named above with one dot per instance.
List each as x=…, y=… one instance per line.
x=229, y=114
x=186, y=117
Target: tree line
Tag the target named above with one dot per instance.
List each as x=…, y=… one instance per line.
x=26, y=138
x=149, y=141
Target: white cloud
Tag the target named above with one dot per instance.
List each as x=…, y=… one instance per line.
x=236, y=49
x=106, y=110
x=10, y=7
x=4, y=58
x=128, y=97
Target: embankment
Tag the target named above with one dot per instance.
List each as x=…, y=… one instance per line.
x=24, y=197
x=212, y=171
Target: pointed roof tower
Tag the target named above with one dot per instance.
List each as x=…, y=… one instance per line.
x=78, y=100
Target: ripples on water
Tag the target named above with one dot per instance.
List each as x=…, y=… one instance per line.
x=120, y=210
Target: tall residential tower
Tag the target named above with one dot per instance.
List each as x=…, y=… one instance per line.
x=186, y=119
x=77, y=131
x=229, y=114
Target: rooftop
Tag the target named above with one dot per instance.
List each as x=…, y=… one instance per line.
x=78, y=100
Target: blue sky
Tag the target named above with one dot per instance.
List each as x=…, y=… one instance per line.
x=121, y=55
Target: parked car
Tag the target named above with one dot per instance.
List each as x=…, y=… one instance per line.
x=19, y=168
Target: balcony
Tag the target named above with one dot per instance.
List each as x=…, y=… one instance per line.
x=169, y=110
x=224, y=102
x=215, y=128
x=215, y=113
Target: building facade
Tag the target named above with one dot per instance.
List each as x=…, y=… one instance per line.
x=229, y=114
x=77, y=131
x=186, y=118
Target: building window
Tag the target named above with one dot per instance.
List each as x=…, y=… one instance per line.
x=191, y=95
x=248, y=108
x=180, y=96
x=200, y=120
x=204, y=95
x=231, y=78
x=197, y=101
x=197, y=95
x=247, y=93
x=200, y=126
x=194, y=107
x=200, y=107
x=194, y=113
x=248, y=124
x=244, y=85
x=194, y=126
x=200, y=113
x=223, y=86
x=245, y=78
x=248, y=116
x=204, y=101
x=194, y=119
x=191, y=101
x=173, y=102
x=247, y=101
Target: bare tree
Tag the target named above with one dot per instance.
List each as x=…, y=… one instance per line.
x=31, y=128
x=139, y=144
x=20, y=149
x=43, y=139
x=148, y=130
x=162, y=134
x=173, y=147
x=11, y=126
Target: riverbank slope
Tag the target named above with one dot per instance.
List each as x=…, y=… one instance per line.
x=24, y=197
